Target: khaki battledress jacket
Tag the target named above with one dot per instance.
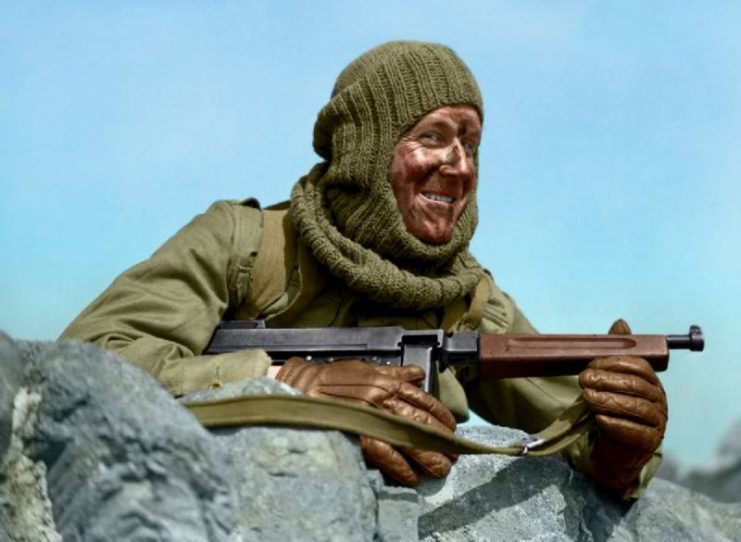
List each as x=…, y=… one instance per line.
x=161, y=314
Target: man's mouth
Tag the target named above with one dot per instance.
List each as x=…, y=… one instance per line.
x=438, y=197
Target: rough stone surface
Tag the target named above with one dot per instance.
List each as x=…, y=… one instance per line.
x=10, y=381
x=117, y=457
x=720, y=477
x=499, y=494
x=278, y=471
x=101, y=452
x=98, y=451
x=502, y=498
x=11, y=370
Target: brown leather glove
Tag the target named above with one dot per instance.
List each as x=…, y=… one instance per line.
x=631, y=412
x=393, y=389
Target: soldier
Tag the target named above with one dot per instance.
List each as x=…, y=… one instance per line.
x=377, y=233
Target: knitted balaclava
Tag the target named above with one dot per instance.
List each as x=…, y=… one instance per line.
x=345, y=209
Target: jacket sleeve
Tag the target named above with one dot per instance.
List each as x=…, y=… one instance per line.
x=161, y=313
x=531, y=404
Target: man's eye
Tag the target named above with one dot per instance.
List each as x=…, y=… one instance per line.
x=469, y=147
x=431, y=137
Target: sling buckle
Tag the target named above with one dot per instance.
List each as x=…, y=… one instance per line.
x=531, y=443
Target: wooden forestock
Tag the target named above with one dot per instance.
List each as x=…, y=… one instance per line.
x=510, y=356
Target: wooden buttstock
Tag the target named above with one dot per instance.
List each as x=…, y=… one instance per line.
x=512, y=356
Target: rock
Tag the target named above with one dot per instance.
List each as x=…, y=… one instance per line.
x=279, y=472
x=499, y=494
x=114, y=456
x=668, y=511
x=102, y=452
x=11, y=370
x=16, y=472
x=720, y=477
x=98, y=451
x=506, y=498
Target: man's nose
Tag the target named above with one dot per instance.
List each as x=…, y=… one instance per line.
x=456, y=162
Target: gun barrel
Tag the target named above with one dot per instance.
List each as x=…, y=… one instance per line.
x=693, y=341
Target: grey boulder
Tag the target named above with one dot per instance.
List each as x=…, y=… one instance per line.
x=91, y=448
x=720, y=477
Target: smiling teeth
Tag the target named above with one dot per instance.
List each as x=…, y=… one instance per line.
x=436, y=197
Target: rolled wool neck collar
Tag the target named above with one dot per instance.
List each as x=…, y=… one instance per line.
x=365, y=270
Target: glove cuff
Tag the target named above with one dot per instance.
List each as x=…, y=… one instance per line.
x=616, y=468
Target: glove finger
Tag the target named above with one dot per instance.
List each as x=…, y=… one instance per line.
x=388, y=460
x=635, y=434
x=626, y=365
x=360, y=400
x=627, y=384
x=433, y=464
x=405, y=410
x=295, y=372
x=414, y=374
x=305, y=375
x=438, y=418
x=367, y=394
x=617, y=405
x=426, y=402
x=619, y=327
x=350, y=371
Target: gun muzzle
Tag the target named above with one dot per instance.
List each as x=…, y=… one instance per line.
x=694, y=340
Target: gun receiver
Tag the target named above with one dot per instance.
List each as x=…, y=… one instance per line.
x=499, y=356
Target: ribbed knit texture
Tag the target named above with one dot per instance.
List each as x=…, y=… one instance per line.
x=345, y=209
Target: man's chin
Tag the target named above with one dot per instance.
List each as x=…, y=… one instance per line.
x=434, y=236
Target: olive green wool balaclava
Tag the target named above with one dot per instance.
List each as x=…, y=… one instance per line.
x=345, y=209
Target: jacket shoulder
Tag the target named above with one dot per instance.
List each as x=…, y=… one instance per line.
x=501, y=314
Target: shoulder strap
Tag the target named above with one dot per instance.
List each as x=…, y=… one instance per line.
x=311, y=282
x=458, y=317
x=273, y=264
x=272, y=268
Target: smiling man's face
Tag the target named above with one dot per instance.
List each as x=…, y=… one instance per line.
x=433, y=173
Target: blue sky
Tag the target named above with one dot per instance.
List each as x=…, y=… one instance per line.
x=609, y=171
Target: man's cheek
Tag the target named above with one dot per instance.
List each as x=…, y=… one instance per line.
x=418, y=167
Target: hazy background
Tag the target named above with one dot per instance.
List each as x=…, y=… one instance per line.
x=609, y=172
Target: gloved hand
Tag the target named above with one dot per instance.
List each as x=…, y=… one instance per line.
x=631, y=412
x=393, y=389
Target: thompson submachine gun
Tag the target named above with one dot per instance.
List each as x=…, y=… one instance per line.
x=498, y=356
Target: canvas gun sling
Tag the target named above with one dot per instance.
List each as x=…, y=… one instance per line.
x=302, y=411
